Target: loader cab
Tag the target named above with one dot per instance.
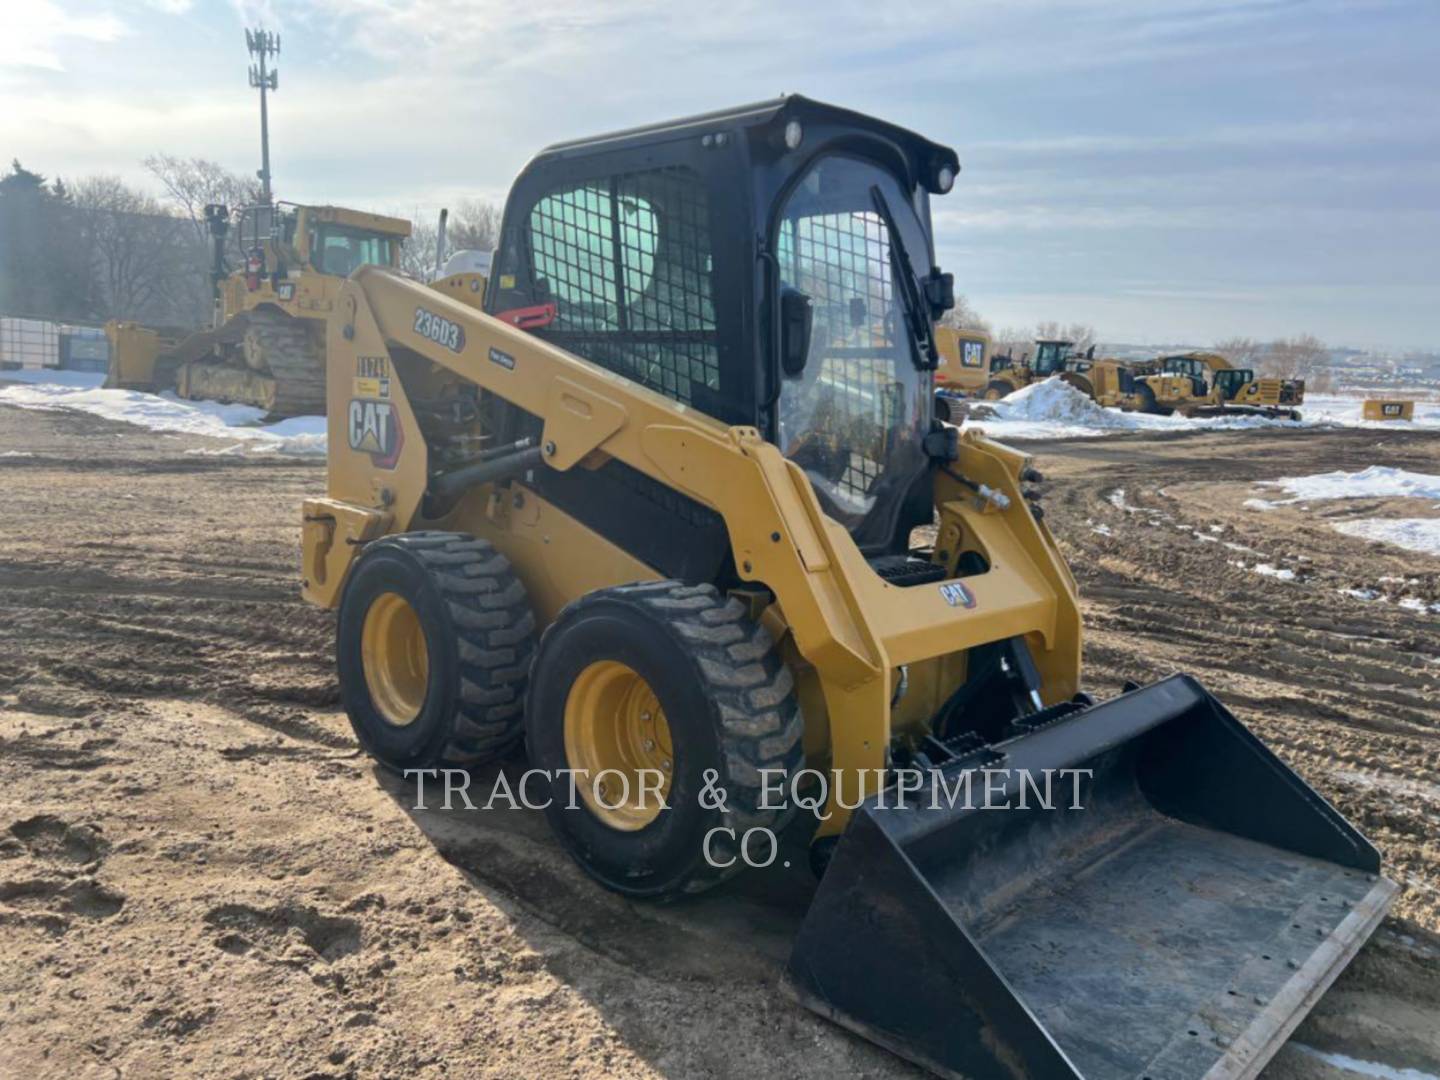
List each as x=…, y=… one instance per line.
x=1051, y=357
x=770, y=266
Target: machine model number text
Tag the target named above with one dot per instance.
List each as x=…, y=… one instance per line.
x=439, y=330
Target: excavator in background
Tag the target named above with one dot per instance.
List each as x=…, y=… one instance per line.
x=265, y=346
x=654, y=510
x=964, y=370
x=1191, y=384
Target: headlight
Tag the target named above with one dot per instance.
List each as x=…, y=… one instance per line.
x=945, y=179
x=794, y=135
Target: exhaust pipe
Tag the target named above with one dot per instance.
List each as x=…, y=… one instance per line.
x=440, y=240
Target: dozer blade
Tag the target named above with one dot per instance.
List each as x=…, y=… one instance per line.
x=1179, y=924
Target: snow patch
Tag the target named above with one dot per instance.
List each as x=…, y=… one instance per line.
x=1359, y=1067
x=1275, y=572
x=83, y=380
x=1374, y=482
x=167, y=413
x=1412, y=534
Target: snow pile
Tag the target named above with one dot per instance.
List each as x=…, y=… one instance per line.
x=1412, y=534
x=81, y=392
x=1053, y=409
x=1056, y=400
x=1374, y=482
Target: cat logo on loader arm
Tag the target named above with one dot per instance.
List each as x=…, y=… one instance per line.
x=674, y=537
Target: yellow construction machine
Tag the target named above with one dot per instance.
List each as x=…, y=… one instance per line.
x=265, y=346
x=964, y=370
x=1052, y=357
x=656, y=512
x=1192, y=384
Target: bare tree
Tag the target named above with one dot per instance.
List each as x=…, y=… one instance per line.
x=194, y=183
x=148, y=263
x=1242, y=352
x=1081, y=334
x=964, y=317
x=1304, y=356
x=1013, y=341
x=417, y=254
x=474, y=226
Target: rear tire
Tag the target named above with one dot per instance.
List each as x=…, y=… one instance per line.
x=727, y=703
x=1148, y=404
x=997, y=390
x=433, y=648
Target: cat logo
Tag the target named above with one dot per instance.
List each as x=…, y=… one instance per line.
x=957, y=595
x=374, y=429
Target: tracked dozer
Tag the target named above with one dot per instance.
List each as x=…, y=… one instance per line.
x=265, y=346
x=657, y=511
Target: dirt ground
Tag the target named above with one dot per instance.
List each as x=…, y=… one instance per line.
x=200, y=876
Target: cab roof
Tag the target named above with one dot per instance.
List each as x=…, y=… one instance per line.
x=926, y=157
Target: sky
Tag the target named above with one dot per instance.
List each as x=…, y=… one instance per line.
x=1164, y=171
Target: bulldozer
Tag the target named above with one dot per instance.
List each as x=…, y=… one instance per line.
x=1191, y=384
x=265, y=346
x=659, y=515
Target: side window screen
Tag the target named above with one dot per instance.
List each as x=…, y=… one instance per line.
x=627, y=262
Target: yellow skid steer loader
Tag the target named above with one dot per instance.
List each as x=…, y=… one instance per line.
x=651, y=512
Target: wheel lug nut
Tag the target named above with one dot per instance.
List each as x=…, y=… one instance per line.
x=649, y=744
x=665, y=764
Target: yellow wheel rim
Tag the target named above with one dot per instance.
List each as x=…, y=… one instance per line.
x=993, y=394
x=396, y=662
x=614, y=729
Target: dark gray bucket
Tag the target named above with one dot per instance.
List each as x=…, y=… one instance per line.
x=1180, y=924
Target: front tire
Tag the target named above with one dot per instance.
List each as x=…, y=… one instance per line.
x=433, y=648
x=677, y=680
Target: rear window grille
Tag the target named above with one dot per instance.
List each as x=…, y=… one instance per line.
x=627, y=261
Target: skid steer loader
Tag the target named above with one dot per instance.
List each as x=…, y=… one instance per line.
x=651, y=513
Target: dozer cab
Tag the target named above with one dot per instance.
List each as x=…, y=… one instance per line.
x=657, y=511
x=265, y=346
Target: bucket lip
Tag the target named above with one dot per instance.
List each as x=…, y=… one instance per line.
x=1253, y=1048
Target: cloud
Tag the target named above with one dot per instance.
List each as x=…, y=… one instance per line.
x=34, y=32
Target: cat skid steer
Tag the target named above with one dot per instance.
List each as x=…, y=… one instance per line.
x=654, y=509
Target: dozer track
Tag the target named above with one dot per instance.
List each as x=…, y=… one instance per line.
x=289, y=351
